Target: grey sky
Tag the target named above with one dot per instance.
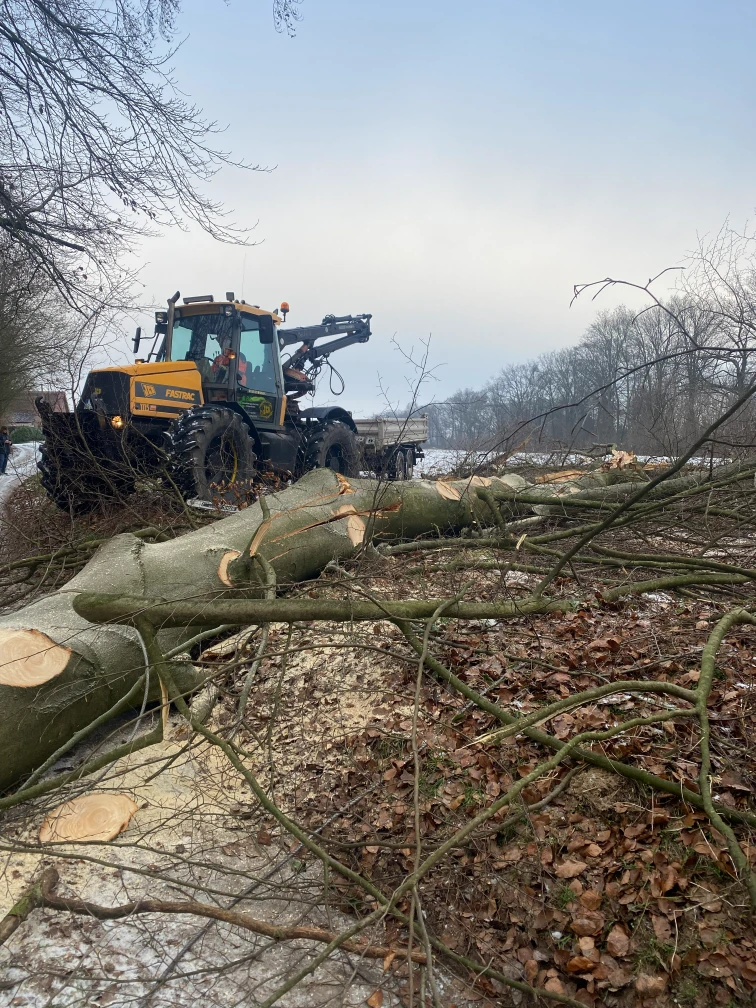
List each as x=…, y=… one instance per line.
x=455, y=168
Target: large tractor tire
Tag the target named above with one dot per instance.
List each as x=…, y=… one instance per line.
x=333, y=446
x=213, y=456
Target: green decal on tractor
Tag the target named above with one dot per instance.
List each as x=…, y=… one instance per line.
x=257, y=403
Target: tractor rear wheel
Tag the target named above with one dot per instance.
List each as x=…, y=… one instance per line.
x=333, y=446
x=213, y=454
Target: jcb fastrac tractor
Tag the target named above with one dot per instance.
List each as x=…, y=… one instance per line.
x=210, y=407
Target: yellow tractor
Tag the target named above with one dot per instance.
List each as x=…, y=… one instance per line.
x=211, y=407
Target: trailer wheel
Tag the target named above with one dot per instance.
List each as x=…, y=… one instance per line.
x=398, y=470
x=212, y=454
x=333, y=446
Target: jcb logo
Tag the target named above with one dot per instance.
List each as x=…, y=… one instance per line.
x=148, y=390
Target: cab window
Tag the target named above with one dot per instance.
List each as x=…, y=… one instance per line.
x=256, y=369
x=203, y=339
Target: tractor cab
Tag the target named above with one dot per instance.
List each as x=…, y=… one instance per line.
x=234, y=348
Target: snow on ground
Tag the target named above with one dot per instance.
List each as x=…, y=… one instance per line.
x=188, y=827
x=21, y=464
x=439, y=461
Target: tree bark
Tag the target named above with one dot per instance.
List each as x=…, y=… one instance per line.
x=59, y=672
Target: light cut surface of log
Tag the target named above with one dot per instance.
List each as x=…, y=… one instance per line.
x=30, y=658
x=91, y=817
x=225, y=560
x=447, y=491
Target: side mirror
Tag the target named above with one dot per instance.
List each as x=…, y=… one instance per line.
x=137, y=338
x=267, y=329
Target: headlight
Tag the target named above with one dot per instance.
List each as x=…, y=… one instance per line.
x=117, y=422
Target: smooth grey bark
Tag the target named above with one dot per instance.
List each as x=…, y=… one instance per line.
x=306, y=532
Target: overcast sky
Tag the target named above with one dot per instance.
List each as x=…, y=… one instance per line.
x=455, y=168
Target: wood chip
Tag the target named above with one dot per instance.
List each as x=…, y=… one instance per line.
x=447, y=491
x=226, y=559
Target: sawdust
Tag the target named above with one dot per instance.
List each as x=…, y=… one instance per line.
x=192, y=837
x=600, y=789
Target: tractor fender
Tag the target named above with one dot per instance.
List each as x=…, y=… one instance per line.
x=325, y=413
x=253, y=433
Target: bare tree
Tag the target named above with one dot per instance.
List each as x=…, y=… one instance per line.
x=647, y=380
x=97, y=146
x=42, y=342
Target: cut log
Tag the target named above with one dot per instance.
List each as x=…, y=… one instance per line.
x=97, y=816
x=60, y=672
x=30, y=658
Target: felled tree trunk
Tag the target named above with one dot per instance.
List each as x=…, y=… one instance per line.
x=611, y=487
x=59, y=672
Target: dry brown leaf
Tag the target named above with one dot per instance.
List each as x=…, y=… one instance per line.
x=30, y=658
x=588, y=923
x=650, y=985
x=570, y=869
x=511, y=853
x=554, y=985
x=97, y=816
x=376, y=999
x=388, y=960
x=579, y=964
x=618, y=941
x=591, y=899
x=662, y=928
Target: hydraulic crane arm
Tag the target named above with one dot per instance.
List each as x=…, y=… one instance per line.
x=356, y=329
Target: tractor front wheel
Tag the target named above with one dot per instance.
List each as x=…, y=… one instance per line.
x=213, y=456
x=76, y=474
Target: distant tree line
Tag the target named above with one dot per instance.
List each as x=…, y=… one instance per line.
x=647, y=382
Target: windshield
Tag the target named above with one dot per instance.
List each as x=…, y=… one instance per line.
x=205, y=339
x=201, y=338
